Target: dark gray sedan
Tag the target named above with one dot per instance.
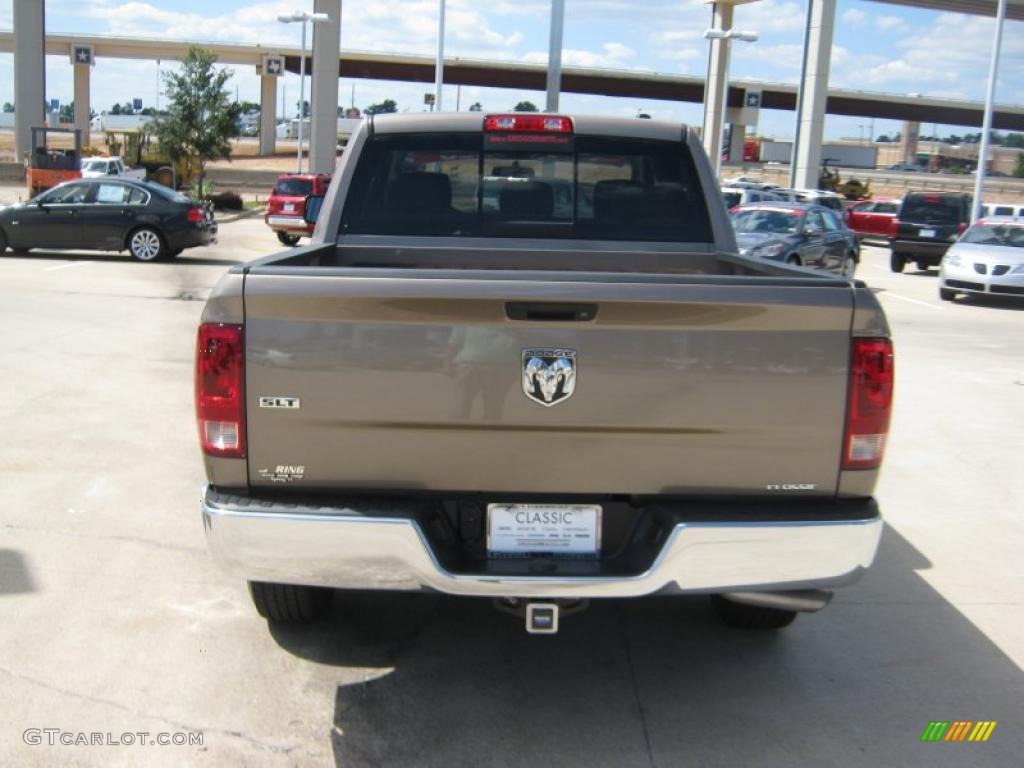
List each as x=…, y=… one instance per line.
x=148, y=220
x=796, y=233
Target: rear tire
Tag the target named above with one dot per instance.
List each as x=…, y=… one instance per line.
x=740, y=616
x=3, y=243
x=287, y=238
x=922, y=266
x=290, y=603
x=946, y=294
x=146, y=244
x=794, y=260
x=897, y=261
x=849, y=265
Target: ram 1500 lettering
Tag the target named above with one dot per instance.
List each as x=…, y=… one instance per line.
x=521, y=359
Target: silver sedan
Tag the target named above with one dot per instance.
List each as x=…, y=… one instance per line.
x=988, y=258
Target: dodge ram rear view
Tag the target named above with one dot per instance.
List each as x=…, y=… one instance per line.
x=521, y=359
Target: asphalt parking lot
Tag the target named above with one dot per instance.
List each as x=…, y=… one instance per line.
x=114, y=620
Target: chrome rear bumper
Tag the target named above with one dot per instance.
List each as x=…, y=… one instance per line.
x=343, y=548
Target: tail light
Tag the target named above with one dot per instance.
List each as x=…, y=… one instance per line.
x=196, y=215
x=531, y=123
x=961, y=227
x=870, y=403
x=220, y=389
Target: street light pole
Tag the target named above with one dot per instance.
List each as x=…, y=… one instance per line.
x=986, y=123
x=439, y=64
x=725, y=35
x=302, y=18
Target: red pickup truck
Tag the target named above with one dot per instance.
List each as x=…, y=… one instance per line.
x=287, y=202
x=875, y=219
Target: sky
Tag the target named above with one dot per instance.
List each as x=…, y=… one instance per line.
x=877, y=47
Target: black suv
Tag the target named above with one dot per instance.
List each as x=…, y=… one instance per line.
x=927, y=224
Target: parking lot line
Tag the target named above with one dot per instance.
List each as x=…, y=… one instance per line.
x=912, y=301
x=68, y=265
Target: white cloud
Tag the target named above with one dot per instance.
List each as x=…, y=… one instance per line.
x=854, y=17
x=888, y=23
x=612, y=56
x=769, y=16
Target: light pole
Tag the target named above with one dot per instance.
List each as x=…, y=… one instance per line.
x=302, y=17
x=725, y=35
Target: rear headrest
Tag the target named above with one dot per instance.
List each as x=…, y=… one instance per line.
x=420, y=193
x=618, y=200
x=532, y=200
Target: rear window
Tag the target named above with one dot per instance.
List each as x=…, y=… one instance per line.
x=593, y=188
x=294, y=187
x=932, y=209
x=732, y=199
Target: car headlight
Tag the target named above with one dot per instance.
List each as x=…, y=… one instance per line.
x=952, y=260
x=766, y=251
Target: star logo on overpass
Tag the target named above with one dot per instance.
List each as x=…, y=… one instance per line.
x=273, y=66
x=83, y=55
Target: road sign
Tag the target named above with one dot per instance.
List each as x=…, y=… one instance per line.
x=136, y=103
x=82, y=54
x=753, y=99
x=54, y=105
x=273, y=66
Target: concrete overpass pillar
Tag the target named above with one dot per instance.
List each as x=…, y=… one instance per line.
x=82, y=104
x=268, y=114
x=737, y=136
x=29, y=71
x=716, y=85
x=810, y=108
x=323, y=95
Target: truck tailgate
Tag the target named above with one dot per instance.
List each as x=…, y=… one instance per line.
x=383, y=380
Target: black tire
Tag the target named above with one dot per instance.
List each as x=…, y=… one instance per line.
x=946, y=294
x=3, y=243
x=290, y=603
x=922, y=266
x=146, y=244
x=794, y=260
x=849, y=268
x=175, y=252
x=740, y=616
x=287, y=238
x=897, y=261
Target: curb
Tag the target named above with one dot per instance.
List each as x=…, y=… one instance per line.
x=247, y=214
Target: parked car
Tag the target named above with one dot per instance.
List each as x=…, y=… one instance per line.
x=926, y=225
x=148, y=220
x=796, y=233
x=750, y=182
x=874, y=219
x=734, y=196
x=103, y=167
x=821, y=197
x=907, y=168
x=1002, y=209
x=988, y=259
x=286, y=205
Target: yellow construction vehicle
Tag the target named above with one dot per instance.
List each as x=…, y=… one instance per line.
x=140, y=149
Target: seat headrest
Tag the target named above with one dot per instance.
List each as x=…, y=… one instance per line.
x=531, y=200
x=420, y=193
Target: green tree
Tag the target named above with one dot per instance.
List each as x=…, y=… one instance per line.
x=201, y=117
x=8, y=107
x=116, y=109
x=303, y=106
x=525, y=106
x=1019, y=170
x=67, y=113
x=476, y=107
x=386, y=106
x=248, y=106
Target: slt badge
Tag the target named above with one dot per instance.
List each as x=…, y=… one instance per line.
x=549, y=375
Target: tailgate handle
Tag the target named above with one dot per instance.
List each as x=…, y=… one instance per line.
x=550, y=312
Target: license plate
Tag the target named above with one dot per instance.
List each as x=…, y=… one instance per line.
x=519, y=529
x=927, y=233
x=288, y=208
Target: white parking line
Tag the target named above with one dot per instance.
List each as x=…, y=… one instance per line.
x=68, y=265
x=912, y=301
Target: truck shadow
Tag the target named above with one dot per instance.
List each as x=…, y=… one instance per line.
x=108, y=257
x=451, y=682
x=15, y=576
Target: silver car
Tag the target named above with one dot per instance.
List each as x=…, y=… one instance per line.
x=988, y=258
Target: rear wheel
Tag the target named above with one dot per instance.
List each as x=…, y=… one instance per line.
x=794, y=260
x=3, y=243
x=922, y=266
x=849, y=265
x=291, y=603
x=287, y=238
x=146, y=244
x=742, y=616
x=897, y=261
x=946, y=294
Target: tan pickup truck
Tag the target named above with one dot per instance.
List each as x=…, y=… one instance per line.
x=521, y=359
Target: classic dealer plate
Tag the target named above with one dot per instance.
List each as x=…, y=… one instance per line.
x=519, y=529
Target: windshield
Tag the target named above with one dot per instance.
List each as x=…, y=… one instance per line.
x=931, y=209
x=995, y=234
x=95, y=165
x=774, y=221
x=468, y=185
x=293, y=187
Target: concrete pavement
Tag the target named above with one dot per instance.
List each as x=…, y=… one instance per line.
x=114, y=620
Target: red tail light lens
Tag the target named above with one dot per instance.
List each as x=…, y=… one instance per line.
x=870, y=403
x=961, y=227
x=531, y=123
x=196, y=215
x=220, y=389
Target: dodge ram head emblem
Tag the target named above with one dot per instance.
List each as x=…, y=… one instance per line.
x=549, y=375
